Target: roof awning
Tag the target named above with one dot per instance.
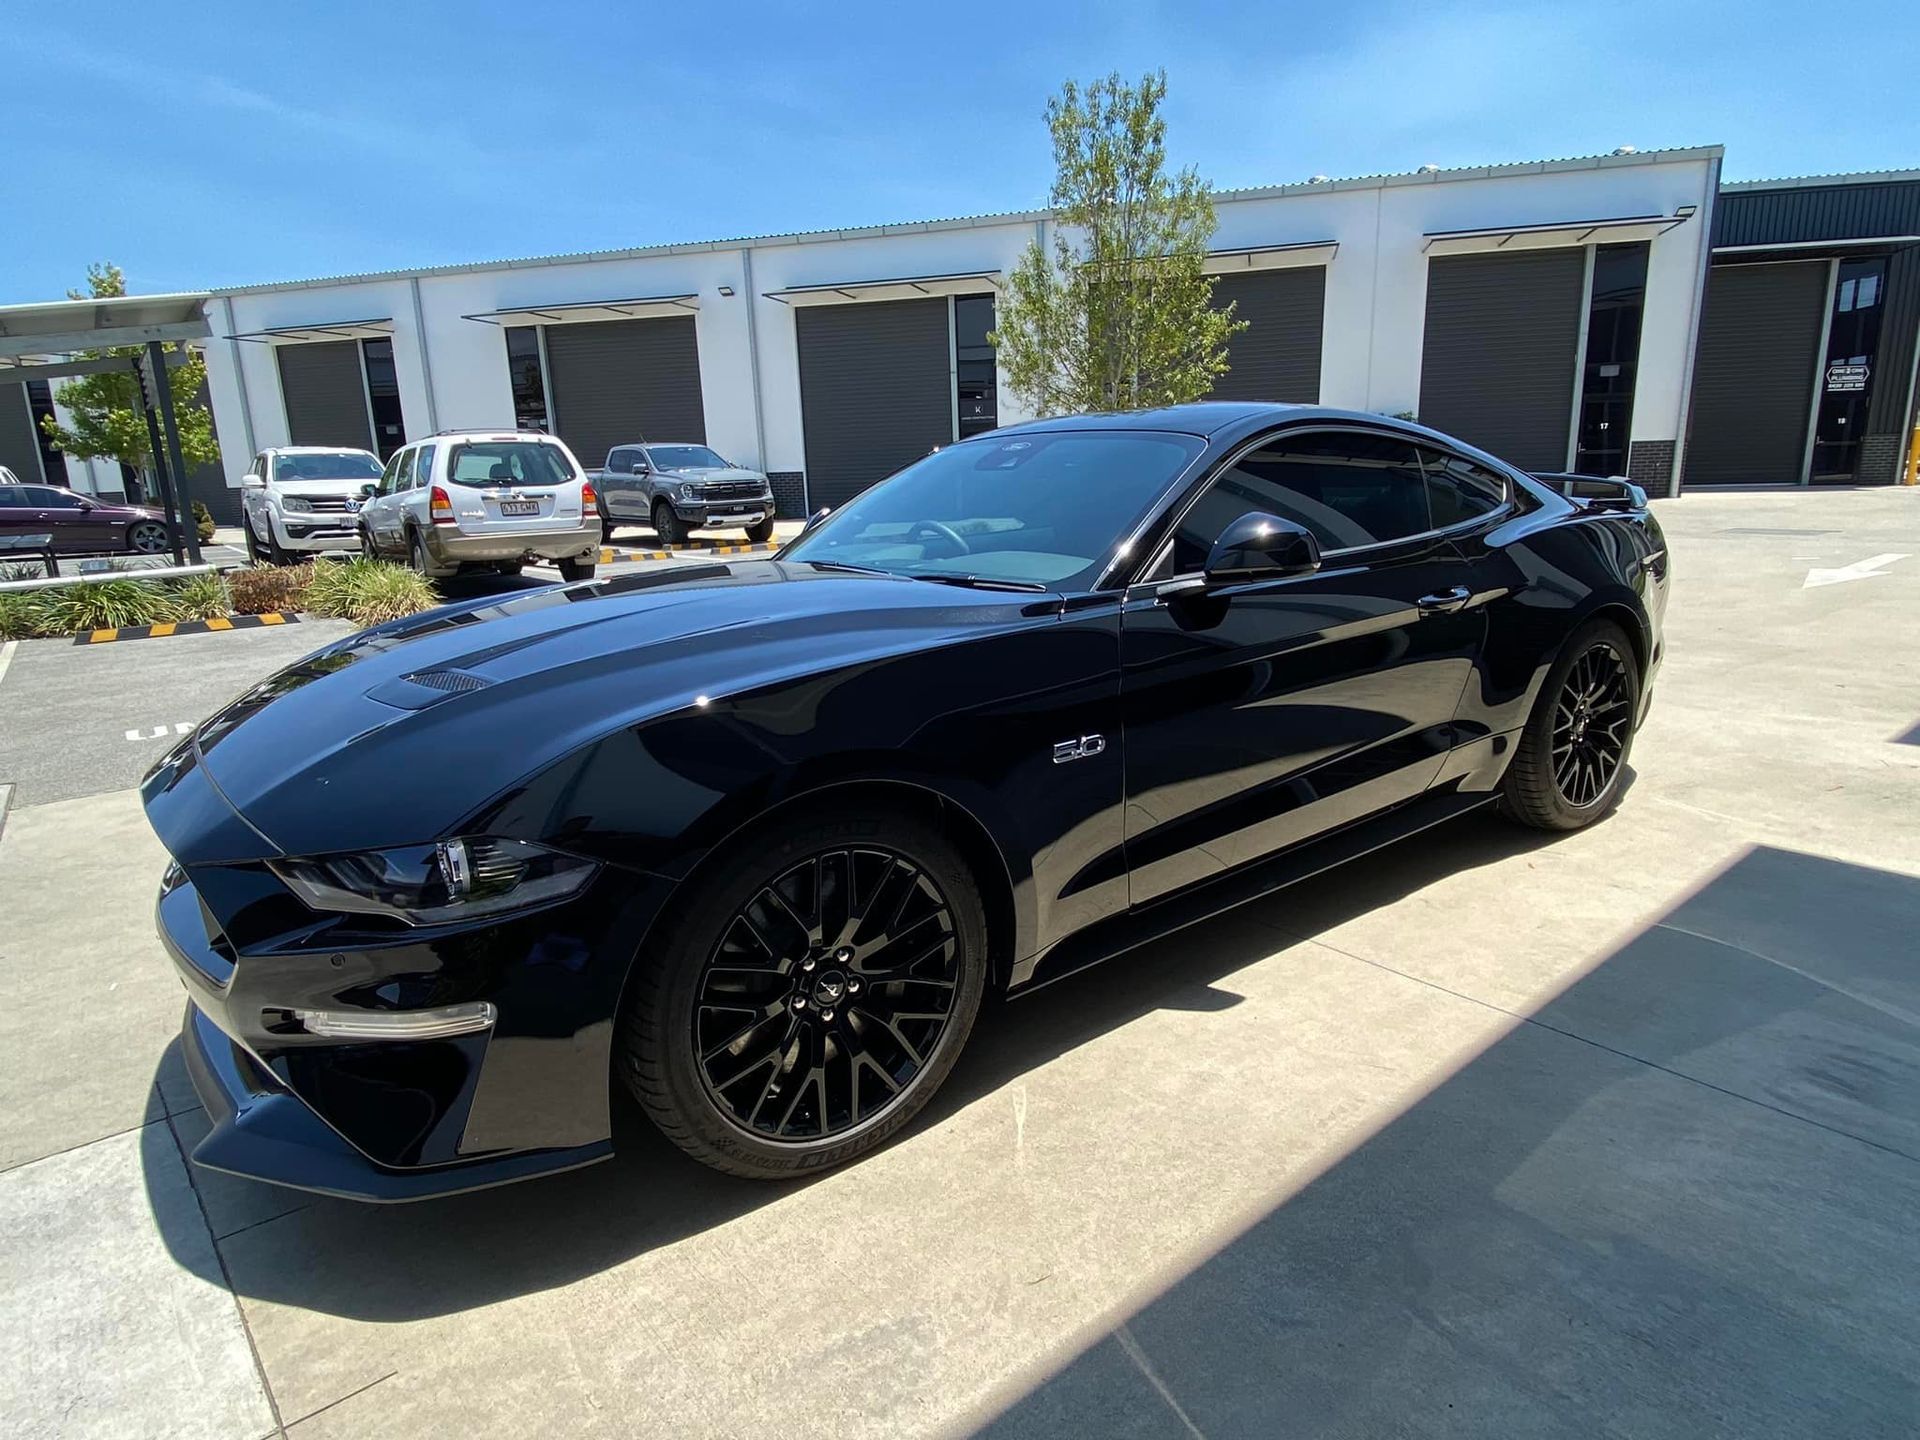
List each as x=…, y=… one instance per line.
x=373, y=329
x=1616, y=230
x=907, y=287
x=642, y=307
x=1271, y=257
x=58, y=327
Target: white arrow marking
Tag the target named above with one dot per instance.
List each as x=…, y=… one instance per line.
x=1859, y=570
x=159, y=732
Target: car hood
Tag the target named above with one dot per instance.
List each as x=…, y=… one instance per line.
x=397, y=735
x=706, y=473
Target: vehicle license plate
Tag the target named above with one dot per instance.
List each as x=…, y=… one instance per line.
x=519, y=507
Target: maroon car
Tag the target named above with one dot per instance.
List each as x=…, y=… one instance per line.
x=79, y=524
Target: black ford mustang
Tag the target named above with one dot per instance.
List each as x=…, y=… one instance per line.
x=753, y=839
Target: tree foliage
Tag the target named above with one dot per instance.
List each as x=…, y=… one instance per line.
x=105, y=423
x=1120, y=315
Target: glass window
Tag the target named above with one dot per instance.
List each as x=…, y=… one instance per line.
x=52, y=499
x=974, y=373
x=685, y=457
x=620, y=462
x=529, y=380
x=1612, y=359
x=330, y=465
x=1459, y=490
x=13, y=497
x=383, y=395
x=1046, y=508
x=390, y=477
x=1345, y=488
x=508, y=462
x=422, y=467
x=53, y=464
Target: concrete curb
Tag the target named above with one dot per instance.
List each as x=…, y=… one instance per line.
x=185, y=627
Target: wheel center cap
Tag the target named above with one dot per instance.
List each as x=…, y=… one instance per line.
x=829, y=987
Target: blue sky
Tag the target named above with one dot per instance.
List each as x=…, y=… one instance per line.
x=215, y=143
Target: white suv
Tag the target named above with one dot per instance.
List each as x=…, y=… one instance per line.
x=296, y=499
x=483, y=498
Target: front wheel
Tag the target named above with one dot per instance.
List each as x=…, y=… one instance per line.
x=761, y=533
x=667, y=525
x=368, y=550
x=1572, y=757
x=809, y=995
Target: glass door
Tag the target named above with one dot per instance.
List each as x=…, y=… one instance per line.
x=1846, y=380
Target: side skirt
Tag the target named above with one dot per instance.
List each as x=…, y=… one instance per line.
x=1120, y=933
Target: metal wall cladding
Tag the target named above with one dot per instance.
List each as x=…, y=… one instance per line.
x=1802, y=214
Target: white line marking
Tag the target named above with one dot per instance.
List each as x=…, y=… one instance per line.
x=6, y=656
x=179, y=727
x=1859, y=570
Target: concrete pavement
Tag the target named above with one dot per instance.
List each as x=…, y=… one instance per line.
x=1616, y=1133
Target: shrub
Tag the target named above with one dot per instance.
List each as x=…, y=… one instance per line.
x=377, y=591
x=265, y=588
x=327, y=592
x=203, y=520
x=199, y=597
x=22, y=615
x=102, y=605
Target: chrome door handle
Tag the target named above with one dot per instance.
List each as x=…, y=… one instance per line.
x=1446, y=602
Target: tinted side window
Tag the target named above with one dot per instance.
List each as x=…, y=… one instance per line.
x=620, y=462
x=12, y=497
x=52, y=499
x=1459, y=490
x=423, y=466
x=390, y=478
x=1346, y=489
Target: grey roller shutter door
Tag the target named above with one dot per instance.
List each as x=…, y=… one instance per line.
x=618, y=381
x=325, y=391
x=19, y=444
x=1498, y=362
x=875, y=391
x=1277, y=357
x=1754, y=376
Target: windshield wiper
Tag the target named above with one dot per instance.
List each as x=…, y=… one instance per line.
x=982, y=582
x=845, y=568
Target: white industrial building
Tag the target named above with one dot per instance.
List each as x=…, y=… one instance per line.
x=1547, y=311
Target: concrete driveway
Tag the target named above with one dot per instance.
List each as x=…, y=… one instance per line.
x=1614, y=1134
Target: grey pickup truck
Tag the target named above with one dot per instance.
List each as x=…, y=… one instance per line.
x=679, y=488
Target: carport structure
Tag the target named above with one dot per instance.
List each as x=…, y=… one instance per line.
x=39, y=342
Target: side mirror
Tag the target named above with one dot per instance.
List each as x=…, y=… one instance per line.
x=1258, y=546
x=813, y=520
x=86, y=505
x=369, y=490
x=252, y=482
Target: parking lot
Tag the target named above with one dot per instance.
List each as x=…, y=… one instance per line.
x=1616, y=1133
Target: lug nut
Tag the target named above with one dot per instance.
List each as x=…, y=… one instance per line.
x=826, y=1015
x=853, y=984
x=843, y=955
x=799, y=1002
x=807, y=964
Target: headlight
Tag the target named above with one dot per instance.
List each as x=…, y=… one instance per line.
x=296, y=504
x=447, y=883
x=689, y=492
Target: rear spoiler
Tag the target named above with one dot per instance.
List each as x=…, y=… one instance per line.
x=1596, y=492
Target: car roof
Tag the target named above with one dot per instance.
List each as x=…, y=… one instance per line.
x=315, y=450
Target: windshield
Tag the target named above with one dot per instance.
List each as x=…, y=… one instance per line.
x=1045, y=508
x=685, y=457
x=508, y=462
x=333, y=465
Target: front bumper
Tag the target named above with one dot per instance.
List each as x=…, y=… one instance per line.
x=719, y=514
x=447, y=546
x=316, y=532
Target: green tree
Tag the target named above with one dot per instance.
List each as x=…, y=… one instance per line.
x=105, y=423
x=1120, y=316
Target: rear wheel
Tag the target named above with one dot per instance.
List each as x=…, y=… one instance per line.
x=1572, y=757
x=147, y=537
x=667, y=525
x=809, y=995
x=572, y=570
x=761, y=533
x=417, y=555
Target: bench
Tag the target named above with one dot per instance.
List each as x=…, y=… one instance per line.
x=29, y=547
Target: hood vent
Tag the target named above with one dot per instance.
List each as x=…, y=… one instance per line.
x=427, y=687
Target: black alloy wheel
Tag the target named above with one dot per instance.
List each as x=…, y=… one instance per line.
x=761, y=533
x=826, y=994
x=1571, y=759
x=148, y=537
x=1591, y=720
x=809, y=994
x=667, y=525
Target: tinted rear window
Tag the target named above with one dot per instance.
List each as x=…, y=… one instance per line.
x=508, y=462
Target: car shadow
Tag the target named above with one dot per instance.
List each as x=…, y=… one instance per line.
x=1675, y=1201
x=410, y=1261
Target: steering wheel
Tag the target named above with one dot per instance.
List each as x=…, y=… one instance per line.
x=945, y=532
